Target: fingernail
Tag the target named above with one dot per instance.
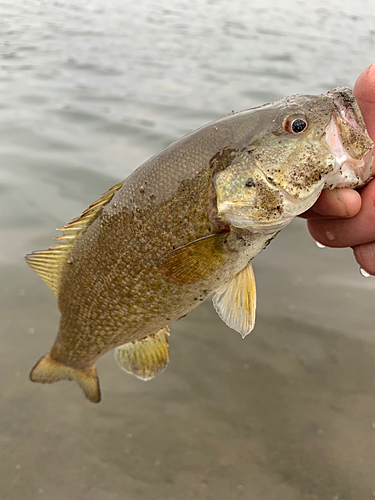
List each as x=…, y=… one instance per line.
x=332, y=206
x=342, y=204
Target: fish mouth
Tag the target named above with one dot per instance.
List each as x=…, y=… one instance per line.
x=352, y=163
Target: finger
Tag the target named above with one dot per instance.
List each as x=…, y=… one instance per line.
x=365, y=256
x=364, y=91
x=347, y=204
x=348, y=232
x=336, y=203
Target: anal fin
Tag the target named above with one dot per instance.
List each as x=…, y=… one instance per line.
x=235, y=302
x=145, y=358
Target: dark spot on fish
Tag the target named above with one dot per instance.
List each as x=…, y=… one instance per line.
x=250, y=182
x=270, y=178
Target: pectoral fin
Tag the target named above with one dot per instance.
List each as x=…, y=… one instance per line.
x=235, y=302
x=195, y=261
x=145, y=358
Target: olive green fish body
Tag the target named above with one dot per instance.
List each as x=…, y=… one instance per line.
x=186, y=225
x=120, y=293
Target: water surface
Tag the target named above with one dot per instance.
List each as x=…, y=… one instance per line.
x=91, y=89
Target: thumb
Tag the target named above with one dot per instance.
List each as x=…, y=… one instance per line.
x=364, y=91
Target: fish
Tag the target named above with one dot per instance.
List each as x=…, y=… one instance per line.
x=186, y=225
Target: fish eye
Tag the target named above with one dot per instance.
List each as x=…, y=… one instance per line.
x=295, y=125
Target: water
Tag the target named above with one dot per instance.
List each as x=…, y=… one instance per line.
x=89, y=90
x=364, y=273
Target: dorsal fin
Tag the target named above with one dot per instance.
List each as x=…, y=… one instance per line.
x=49, y=263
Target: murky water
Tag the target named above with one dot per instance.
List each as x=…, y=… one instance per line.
x=88, y=91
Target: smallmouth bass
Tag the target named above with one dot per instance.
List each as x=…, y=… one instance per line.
x=186, y=225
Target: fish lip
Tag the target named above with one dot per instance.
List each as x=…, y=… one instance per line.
x=346, y=171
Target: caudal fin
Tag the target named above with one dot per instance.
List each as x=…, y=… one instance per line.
x=48, y=371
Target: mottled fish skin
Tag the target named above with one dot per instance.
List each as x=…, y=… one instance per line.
x=119, y=292
x=114, y=287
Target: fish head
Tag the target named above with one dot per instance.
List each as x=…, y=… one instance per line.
x=297, y=147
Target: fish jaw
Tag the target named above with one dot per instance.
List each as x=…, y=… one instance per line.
x=347, y=171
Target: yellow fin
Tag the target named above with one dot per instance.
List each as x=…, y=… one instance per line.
x=145, y=358
x=48, y=371
x=49, y=263
x=195, y=261
x=235, y=302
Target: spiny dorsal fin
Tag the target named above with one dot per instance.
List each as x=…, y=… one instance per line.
x=49, y=263
x=235, y=302
x=145, y=358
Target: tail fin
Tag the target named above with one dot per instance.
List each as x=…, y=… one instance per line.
x=48, y=371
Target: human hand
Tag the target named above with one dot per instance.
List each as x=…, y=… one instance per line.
x=345, y=217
